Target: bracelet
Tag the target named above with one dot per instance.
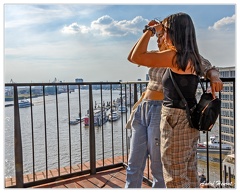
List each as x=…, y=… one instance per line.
x=152, y=29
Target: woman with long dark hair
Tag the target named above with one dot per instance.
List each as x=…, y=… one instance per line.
x=178, y=140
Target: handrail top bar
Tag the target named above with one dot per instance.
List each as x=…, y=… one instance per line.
x=92, y=83
x=73, y=83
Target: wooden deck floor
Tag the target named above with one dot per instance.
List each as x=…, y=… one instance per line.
x=114, y=178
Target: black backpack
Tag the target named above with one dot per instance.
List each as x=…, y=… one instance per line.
x=204, y=115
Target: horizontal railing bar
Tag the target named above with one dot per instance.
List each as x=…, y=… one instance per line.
x=93, y=83
x=65, y=83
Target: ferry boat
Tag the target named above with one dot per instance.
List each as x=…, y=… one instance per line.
x=122, y=109
x=214, y=144
x=24, y=103
x=114, y=116
x=100, y=116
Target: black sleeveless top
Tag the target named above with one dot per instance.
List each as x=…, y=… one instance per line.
x=187, y=83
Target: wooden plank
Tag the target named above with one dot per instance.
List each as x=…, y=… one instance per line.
x=112, y=178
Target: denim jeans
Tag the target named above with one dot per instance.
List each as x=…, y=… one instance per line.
x=145, y=141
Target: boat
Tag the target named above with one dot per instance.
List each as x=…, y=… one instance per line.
x=228, y=164
x=9, y=105
x=100, y=117
x=74, y=122
x=122, y=109
x=114, y=116
x=214, y=144
x=24, y=103
x=80, y=119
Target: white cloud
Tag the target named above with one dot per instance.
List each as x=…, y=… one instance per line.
x=224, y=23
x=75, y=28
x=70, y=41
x=107, y=26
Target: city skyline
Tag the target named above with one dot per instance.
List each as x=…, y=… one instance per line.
x=92, y=41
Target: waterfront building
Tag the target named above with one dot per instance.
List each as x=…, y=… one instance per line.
x=227, y=110
x=147, y=77
x=78, y=80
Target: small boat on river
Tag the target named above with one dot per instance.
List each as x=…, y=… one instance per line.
x=74, y=122
x=100, y=117
x=214, y=144
x=114, y=116
x=122, y=109
x=24, y=103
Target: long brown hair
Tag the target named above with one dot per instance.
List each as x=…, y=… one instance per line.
x=181, y=31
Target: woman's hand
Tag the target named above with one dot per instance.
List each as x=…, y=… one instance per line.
x=159, y=28
x=215, y=82
x=157, y=25
x=152, y=23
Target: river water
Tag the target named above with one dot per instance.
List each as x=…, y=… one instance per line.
x=79, y=137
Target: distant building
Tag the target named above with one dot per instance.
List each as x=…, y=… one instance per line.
x=227, y=72
x=227, y=107
x=78, y=80
x=147, y=77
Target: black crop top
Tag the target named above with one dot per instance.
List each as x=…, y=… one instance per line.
x=187, y=83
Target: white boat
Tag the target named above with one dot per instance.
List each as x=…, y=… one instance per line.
x=122, y=109
x=114, y=116
x=214, y=144
x=24, y=103
x=100, y=117
x=228, y=163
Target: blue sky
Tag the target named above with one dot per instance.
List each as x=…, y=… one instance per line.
x=92, y=41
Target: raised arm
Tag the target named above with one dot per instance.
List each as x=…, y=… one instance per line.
x=139, y=54
x=130, y=53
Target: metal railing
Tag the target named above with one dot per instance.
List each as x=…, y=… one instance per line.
x=48, y=134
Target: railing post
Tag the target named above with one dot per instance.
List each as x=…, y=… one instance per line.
x=224, y=172
x=17, y=142
x=229, y=175
x=92, y=149
x=135, y=93
x=220, y=140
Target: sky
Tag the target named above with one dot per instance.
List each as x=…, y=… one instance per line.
x=44, y=41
